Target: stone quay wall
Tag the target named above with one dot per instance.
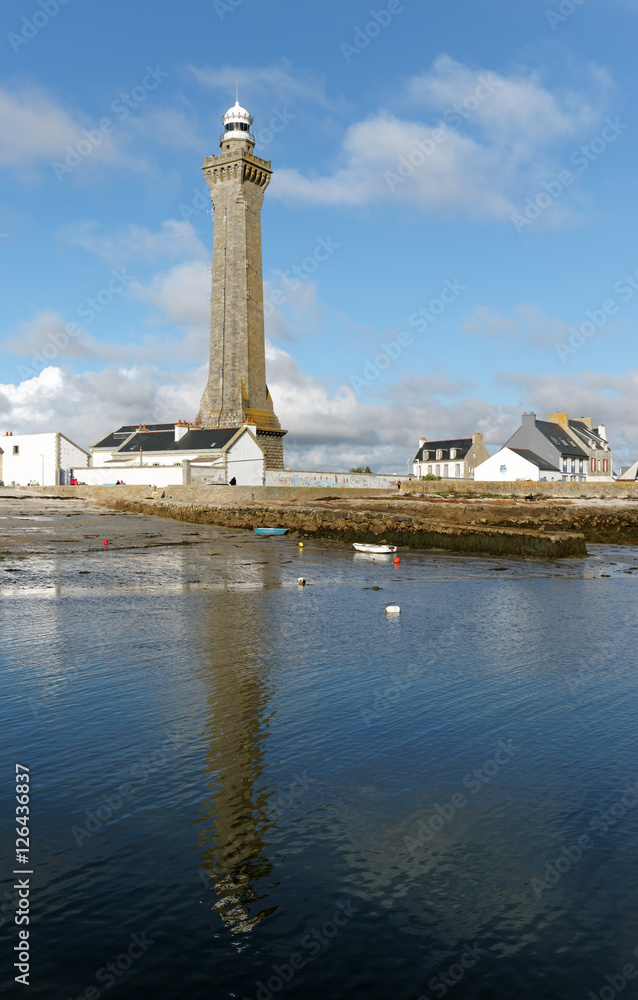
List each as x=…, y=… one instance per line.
x=390, y=527
x=217, y=494
x=612, y=490
x=201, y=493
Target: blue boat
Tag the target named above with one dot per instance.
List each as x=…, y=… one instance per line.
x=270, y=531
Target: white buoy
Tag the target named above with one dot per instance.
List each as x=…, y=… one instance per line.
x=301, y=581
x=393, y=609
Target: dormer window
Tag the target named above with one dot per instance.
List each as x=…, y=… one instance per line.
x=439, y=455
x=452, y=452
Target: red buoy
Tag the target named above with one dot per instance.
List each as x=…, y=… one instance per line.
x=396, y=560
x=106, y=541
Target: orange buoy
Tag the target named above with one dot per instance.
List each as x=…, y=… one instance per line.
x=396, y=560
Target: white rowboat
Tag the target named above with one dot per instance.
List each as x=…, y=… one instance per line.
x=381, y=549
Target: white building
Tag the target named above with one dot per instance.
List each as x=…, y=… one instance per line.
x=454, y=458
x=174, y=454
x=516, y=464
x=582, y=453
x=39, y=459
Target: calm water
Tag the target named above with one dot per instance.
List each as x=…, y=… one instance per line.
x=248, y=789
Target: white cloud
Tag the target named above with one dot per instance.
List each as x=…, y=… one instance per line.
x=182, y=294
x=611, y=400
x=48, y=329
x=172, y=127
x=525, y=323
x=35, y=128
x=132, y=245
x=327, y=430
x=85, y=406
x=335, y=431
x=490, y=140
x=518, y=109
x=32, y=127
x=179, y=295
x=278, y=80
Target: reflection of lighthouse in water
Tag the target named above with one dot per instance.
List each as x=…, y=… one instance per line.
x=232, y=825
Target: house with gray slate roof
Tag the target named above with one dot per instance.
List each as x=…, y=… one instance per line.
x=453, y=458
x=579, y=452
x=178, y=453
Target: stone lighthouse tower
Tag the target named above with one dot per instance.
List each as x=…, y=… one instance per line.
x=236, y=392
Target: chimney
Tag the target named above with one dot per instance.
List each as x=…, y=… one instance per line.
x=181, y=428
x=528, y=420
x=601, y=432
x=477, y=438
x=559, y=418
x=588, y=421
x=422, y=441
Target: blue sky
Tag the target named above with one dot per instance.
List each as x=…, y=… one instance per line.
x=470, y=166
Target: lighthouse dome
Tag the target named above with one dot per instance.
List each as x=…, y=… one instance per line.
x=237, y=124
x=237, y=114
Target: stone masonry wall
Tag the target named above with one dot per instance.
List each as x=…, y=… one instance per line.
x=240, y=494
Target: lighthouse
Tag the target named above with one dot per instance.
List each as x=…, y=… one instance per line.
x=236, y=392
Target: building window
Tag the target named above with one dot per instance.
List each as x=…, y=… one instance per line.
x=593, y=465
x=446, y=471
x=564, y=466
x=605, y=465
x=439, y=455
x=438, y=470
x=580, y=465
x=16, y=449
x=429, y=470
x=452, y=452
x=457, y=471
x=573, y=465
